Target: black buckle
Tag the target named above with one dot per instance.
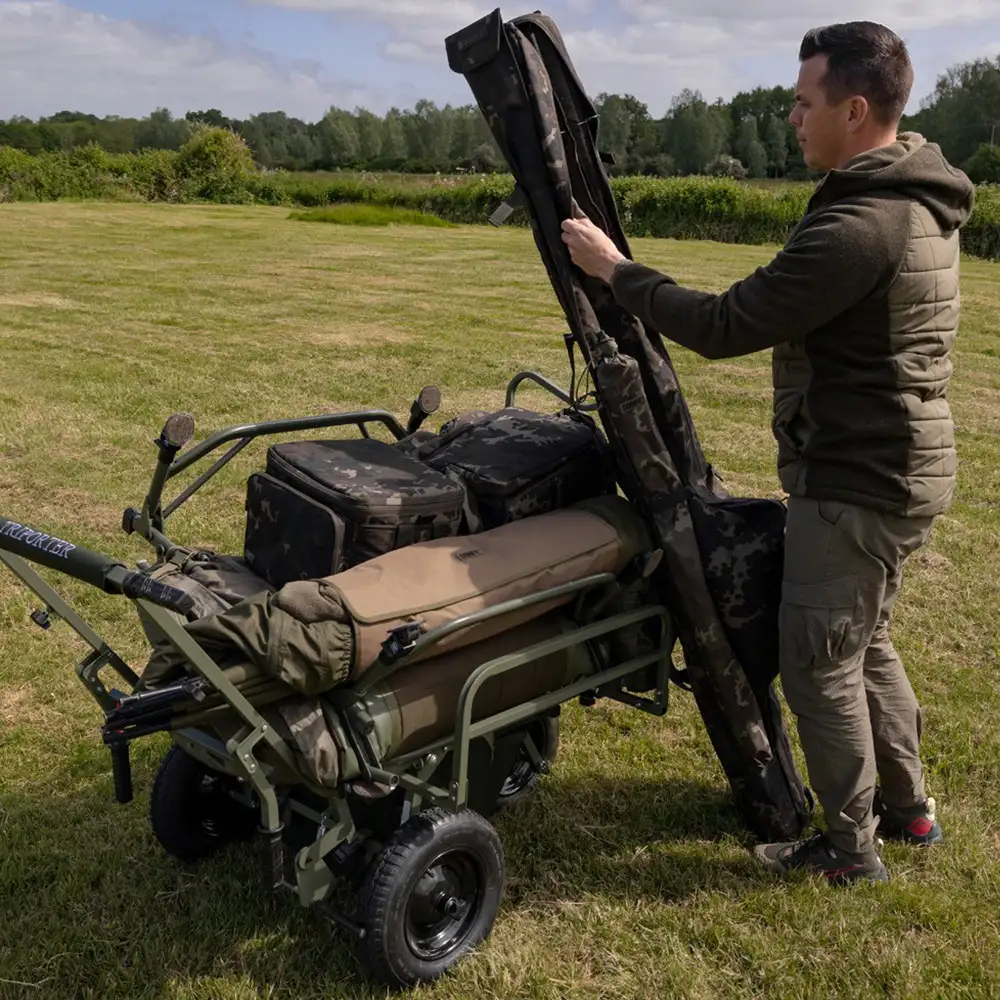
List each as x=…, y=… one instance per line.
x=401, y=641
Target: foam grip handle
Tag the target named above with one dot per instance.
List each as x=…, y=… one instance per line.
x=138, y=585
x=272, y=860
x=121, y=769
x=55, y=553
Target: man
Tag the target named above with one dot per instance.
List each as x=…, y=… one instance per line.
x=861, y=308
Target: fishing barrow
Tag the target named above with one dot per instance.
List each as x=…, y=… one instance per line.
x=382, y=668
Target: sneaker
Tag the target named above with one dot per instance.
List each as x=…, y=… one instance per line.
x=818, y=856
x=914, y=826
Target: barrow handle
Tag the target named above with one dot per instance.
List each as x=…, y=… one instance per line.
x=91, y=567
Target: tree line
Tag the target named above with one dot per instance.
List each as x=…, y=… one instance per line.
x=748, y=136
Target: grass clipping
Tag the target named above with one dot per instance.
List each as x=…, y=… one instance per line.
x=370, y=215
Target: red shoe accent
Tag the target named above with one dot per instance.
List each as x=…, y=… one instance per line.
x=838, y=872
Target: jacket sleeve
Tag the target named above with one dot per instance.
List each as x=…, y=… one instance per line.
x=830, y=264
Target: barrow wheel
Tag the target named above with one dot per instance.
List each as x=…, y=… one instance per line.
x=524, y=776
x=192, y=811
x=431, y=896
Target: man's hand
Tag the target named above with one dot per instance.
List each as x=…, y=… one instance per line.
x=590, y=248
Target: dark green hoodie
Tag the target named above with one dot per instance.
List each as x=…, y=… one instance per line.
x=861, y=307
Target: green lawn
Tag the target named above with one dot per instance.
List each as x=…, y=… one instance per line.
x=629, y=874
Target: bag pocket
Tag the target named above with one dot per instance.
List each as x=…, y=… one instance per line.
x=289, y=536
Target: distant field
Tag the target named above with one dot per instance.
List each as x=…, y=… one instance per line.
x=629, y=874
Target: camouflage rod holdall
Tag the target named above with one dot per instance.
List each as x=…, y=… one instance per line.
x=722, y=566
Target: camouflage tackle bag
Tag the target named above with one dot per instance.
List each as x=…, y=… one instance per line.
x=518, y=463
x=722, y=566
x=324, y=506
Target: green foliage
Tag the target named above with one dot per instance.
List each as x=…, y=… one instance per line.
x=369, y=215
x=961, y=114
x=725, y=165
x=981, y=235
x=983, y=166
x=214, y=165
x=750, y=150
x=718, y=209
x=691, y=137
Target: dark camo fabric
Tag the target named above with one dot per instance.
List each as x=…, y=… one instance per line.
x=721, y=556
x=290, y=536
x=386, y=498
x=517, y=463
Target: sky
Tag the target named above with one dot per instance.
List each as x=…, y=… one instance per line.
x=128, y=57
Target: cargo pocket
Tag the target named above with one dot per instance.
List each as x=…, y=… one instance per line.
x=821, y=622
x=830, y=511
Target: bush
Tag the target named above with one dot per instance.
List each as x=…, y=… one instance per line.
x=215, y=165
x=725, y=165
x=983, y=167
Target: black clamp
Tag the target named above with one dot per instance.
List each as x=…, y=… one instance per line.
x=401, y=641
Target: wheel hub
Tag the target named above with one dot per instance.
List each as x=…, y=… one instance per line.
x=442, y=906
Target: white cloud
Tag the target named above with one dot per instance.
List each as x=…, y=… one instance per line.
x=54, y=57
x=900, y=15
x=656, y=48
x=460, y=10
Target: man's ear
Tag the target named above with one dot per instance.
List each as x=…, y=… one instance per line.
x=858, y=112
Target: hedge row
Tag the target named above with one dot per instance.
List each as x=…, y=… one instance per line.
x=216, y=166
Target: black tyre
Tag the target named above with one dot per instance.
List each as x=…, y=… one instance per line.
x=431, y=896
x=524, y=776
x=192, y=811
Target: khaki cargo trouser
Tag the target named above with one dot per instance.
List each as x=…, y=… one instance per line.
x=856, y=712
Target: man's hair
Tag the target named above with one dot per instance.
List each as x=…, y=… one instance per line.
x=863, y=58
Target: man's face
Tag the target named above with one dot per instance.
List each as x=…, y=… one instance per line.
x=821, y=128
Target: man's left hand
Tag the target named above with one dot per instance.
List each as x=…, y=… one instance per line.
x=590, y=248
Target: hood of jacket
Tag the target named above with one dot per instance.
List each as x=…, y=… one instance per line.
x=912, y=166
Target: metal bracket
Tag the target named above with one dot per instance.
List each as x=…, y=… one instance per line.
x=312, y=874
x=88, y=670
x=243, y=751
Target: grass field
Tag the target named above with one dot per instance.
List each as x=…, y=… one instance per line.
x=629, y=874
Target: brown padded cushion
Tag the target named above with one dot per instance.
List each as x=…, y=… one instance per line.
x=438, y=581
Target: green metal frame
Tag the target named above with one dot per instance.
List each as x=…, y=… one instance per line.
x=88, y=669
x=455, y=797
x=150, y=520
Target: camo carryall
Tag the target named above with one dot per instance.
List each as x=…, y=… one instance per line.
x=517, y=463
x=324, y=506
x=721, y=571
